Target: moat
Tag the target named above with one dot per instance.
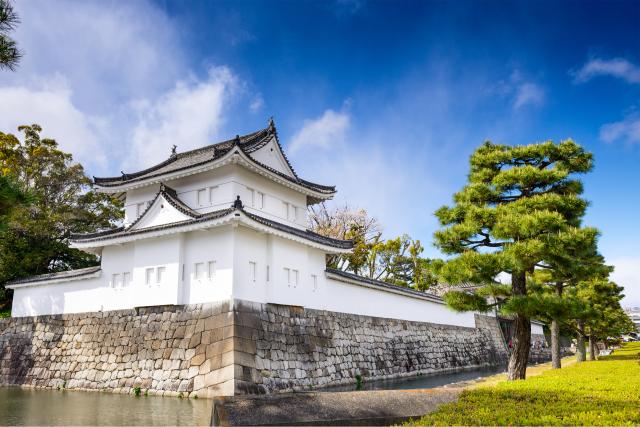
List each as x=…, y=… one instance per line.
x=24, y=406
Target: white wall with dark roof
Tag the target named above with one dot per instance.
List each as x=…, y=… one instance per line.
x=248, y=264
x=217, y=189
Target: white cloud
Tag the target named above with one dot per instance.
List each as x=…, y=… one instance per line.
x=528, y=94
x=257, y=103
x=616, y=67
x=627, y=130
x=107, y=81
x=107, y=51
x=189, y=116
x=50, y=106
x=325, y=131
x=627, y=274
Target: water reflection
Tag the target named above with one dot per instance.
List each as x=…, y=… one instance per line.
x=422, y=381
x=63, y=408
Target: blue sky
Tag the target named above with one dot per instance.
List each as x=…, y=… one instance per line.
x=386, y=100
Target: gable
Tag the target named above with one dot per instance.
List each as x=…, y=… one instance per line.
x=271, y=155
x=160, y=212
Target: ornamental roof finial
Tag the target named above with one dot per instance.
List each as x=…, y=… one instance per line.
x=272, y=124
x=237, y=140
x=173, y=150
x=237, y=204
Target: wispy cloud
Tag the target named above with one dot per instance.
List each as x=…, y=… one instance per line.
x=627, y=130
x=616, y=67
x=257, y=103
x=325, y=131
x=189, y=115
x=528, y=94
x=519, y=91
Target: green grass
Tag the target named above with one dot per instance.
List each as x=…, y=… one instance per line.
x=603, y=392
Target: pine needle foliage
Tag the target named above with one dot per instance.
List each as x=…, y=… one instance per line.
x=520, y=207
x=9, y=53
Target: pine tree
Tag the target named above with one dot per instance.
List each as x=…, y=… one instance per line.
x=568, y=265
x=520, y=205
x=9, y=53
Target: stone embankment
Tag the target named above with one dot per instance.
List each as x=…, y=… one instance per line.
x=229, y=348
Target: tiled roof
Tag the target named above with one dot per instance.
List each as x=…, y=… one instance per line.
x=122, y=231
x=56, y=276
x=442, y=288
x=383, y=285
x=201, y=156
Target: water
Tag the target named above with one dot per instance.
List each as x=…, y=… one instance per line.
x=52, y=407
x=422, y=381
x=24, y=406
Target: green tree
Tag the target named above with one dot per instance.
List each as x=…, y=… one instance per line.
x=36, y=238
x=568, y=264
x=602, y=316
x=520, y=204
x=9, y=53
x=396, y=261
x=10, y=198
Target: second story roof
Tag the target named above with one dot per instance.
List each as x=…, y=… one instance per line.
x=209, y=155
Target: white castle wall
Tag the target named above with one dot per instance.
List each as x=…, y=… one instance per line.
x=235, y=253
x=221, y=186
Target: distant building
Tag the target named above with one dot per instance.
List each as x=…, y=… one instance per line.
x=634, y=314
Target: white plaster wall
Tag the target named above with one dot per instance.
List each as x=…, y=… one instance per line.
x=328, y=294
x=56, y=298
x=222, y=186
x=160, y=213
x=235, y=250
x=205, y=246
x=537, y=329
x=270, y=155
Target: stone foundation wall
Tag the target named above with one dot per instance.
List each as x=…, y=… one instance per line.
x=162, y=349
x=297, y=348
x=231, y=348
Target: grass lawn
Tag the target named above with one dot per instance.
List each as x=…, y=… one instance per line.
x=603, y=392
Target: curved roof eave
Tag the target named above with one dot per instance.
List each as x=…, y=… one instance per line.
x=213, y=219
x=316, y=191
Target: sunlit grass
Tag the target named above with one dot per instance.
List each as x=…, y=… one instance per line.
x=603, y=392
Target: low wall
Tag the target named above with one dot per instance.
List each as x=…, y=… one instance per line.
x=231, y=348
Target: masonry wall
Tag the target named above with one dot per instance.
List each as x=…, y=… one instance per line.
x=230, y=348
x=163, y=349
x=298, y=348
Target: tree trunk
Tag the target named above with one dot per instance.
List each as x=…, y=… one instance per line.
x=592, y=347
x=555, y=336
x=555, y=345
x=581, y=351
x=521, y=335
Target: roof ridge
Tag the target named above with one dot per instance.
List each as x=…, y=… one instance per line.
x=174, y=157
x=56, y=274
x=382, y=283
